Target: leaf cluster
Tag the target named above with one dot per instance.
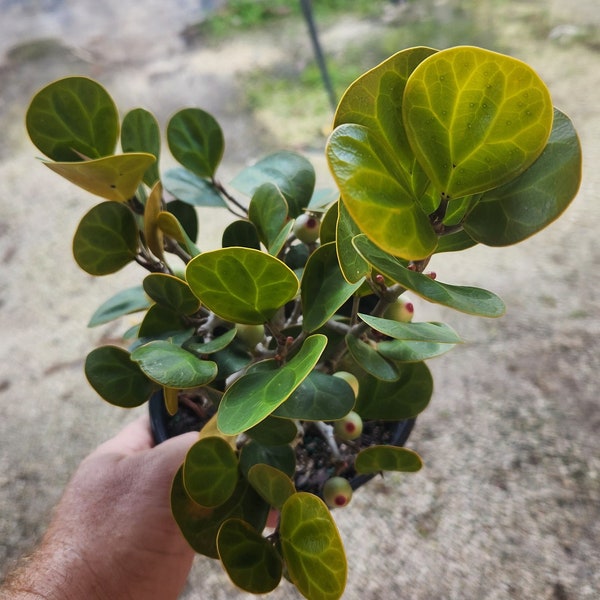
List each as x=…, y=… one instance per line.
x=431, y=151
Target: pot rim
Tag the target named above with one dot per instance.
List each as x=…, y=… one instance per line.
x=159, y=417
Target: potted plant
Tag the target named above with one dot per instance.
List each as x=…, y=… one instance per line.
x=291, y=347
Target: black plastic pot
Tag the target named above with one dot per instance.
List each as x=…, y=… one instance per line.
x=159, y=419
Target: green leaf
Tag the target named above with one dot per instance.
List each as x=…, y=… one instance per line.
x=416, y=332
x=200, y=525
x=290, y=172
x=457, y=209
x=125, y=302
x=106, y=239
x=370, y=360
x=324, y=288
x=524, y=206
x=375, y=99
x=196, y=141
x=116, y=378
x=279, y=242
x=395, y=400
x=171, y=366
x=140, y=133
x=312, y=547
x=174, y=336
x=171, y=292
x=251, y=561
x=454, y=242
x=401, y=351
x=160, y=320
x=255, y=396
x=210, y=471
x=112, y=177
x=466, y=299
x=187, y=216
x=214, y=345
x=322, y=199
x=329, y=224
x=240, y=233
x=378, y=193
x=272, y=484
x=274, y=432
x=353, y=266
x=268, y=211
x=73, y=118
x=320, y=397
x=475, y=119
x=232, y=359
x=190, y=188
x=241, y=285
x=387, y=458
x=296, y=257
x=280, y=457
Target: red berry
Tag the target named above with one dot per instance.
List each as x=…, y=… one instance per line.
x=350, y=379
x=337, y=492
x=401, y=310
x=306, y=228
x=350, y=427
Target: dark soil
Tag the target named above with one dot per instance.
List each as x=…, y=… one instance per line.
x=314, y=461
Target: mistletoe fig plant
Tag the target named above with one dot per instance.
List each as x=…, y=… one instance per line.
x=291, y=348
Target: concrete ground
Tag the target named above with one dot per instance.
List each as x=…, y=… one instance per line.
x=508, y=504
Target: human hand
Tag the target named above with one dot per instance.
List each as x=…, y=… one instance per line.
x=113, y=535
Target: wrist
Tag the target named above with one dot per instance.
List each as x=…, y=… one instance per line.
x=55, y=571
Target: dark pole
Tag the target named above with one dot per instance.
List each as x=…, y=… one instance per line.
x=306, y=6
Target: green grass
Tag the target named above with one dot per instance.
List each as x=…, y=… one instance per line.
x=238, y=15
x=290, y=98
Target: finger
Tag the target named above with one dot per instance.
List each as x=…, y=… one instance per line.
x=171, y=453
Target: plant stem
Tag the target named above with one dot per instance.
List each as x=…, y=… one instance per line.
x=437, y=216
x=327, y=432
x=219, y=187
x=174, y=248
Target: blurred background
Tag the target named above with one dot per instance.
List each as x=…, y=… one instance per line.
x=508, y=504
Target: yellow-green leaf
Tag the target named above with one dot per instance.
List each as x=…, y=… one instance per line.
x=241, y=285
x=378, y=193
x=312, y=548
x=387, y=458
x=475, y=119
x=154, y=235
x=271, y=483
x=171, y=396
x=111, y=177
x=170, y=225
x=254, y=396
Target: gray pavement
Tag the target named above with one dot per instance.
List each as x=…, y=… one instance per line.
x=508, y=504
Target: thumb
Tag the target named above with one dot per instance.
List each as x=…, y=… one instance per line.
x=170, y=454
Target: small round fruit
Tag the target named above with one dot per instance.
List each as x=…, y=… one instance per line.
x=250, y=335
x=350, y=379
x=306, y=228
x=401, y=310
x=350, y=427
x=337, y=492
